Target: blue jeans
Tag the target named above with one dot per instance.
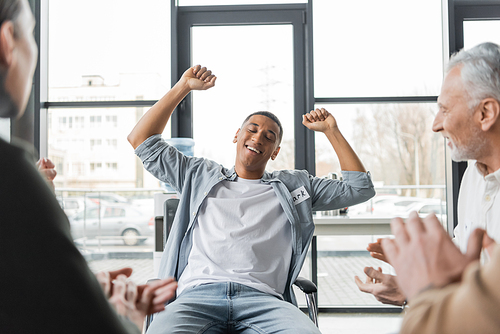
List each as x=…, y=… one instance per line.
x=230, y=308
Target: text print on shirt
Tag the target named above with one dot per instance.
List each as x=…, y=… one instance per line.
x=299, y=195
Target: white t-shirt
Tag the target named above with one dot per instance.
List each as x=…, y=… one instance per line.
x=241, y=235
x=478, y=205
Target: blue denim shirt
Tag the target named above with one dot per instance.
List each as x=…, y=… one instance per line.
x=298, y=192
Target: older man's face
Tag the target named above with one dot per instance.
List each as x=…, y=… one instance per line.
x=455, y=120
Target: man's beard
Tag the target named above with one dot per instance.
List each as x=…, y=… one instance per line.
x=472, y=149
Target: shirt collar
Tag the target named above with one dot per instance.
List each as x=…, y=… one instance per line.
x=484, y=172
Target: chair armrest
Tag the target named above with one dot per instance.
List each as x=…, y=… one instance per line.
x=305, y=285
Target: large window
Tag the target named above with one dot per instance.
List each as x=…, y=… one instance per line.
x=377, y=66
x=254, y=76
x=378, y=70
x=108, y=61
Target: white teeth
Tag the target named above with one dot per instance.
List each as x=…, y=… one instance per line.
x=253, y=149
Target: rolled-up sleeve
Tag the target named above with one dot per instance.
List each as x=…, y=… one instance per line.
x=164, y=161
x=355, y=188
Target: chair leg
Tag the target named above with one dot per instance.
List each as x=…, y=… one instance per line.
x=312, y=308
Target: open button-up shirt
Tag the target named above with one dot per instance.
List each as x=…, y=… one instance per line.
x=298, y=192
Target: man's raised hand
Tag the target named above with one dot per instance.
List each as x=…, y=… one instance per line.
x=319, y=120
x=199, y=78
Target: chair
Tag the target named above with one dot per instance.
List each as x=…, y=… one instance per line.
x=162, y=228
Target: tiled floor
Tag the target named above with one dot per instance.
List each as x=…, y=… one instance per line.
x=373, y=323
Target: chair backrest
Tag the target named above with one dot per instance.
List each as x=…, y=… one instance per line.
x=169, y=209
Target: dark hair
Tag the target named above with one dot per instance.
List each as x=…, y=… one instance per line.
x=268, y=115
x=9, y=10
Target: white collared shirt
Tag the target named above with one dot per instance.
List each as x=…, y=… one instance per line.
x=478, y=205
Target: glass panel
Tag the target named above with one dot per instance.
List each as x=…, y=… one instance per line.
x=234, y=2
x=476, y=32
x=118, y=47
x=5, y=129
x=257, y=76
x=374, y=48
x=103, y=188
x=406, y=179
x=340, y=258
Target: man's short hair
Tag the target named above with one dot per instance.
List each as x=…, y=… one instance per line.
x=268, y=115
x=9, y=11
x=480, y=71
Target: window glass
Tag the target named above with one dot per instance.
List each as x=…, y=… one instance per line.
x=98, y=170
x=234, y=2
x=476, y=32
x=395, y=143
x=101, y=50
x=264, y=54
x=5, y=128
x=377, y=48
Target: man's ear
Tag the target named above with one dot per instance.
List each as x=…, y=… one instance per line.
x=489, y=112
x=7, y=43
x=235, y=139
x=275, y=153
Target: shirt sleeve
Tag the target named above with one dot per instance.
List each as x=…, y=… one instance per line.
x=472, y=306
x=165, y=162
x=355, y=188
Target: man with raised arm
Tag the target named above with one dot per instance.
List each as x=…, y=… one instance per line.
x=468, y=117
x=240, y=235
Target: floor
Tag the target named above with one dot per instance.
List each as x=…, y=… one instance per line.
x=374, y=323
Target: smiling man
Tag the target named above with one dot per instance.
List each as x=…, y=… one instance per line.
x=240, y=235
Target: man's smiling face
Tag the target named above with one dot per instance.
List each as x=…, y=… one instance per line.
x=256, y=142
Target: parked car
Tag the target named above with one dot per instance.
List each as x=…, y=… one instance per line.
x=73, y=205
x=428, y=206
x=106, y=197
x=113, y=221
x=393, y=205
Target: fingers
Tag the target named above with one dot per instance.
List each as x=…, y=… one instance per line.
x=374, y=274
x=45, y=163
x=104, y=282
x=131, y=295
x=475, y=244
x=488, y=244
x=364, y=287
x=414, y=226
x=204, y=74
x=118, y=299
x=375, y=246
x=123, y=271
x=156, y=294
x=398, y=228
x=390, y=249
x=317, y=115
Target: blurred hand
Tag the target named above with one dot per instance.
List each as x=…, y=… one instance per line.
x=376, y=250
x=383, y=286
x=46, y=167
x=199, y=78
x=106, y=278
x=424, y=256
x=132, y=301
